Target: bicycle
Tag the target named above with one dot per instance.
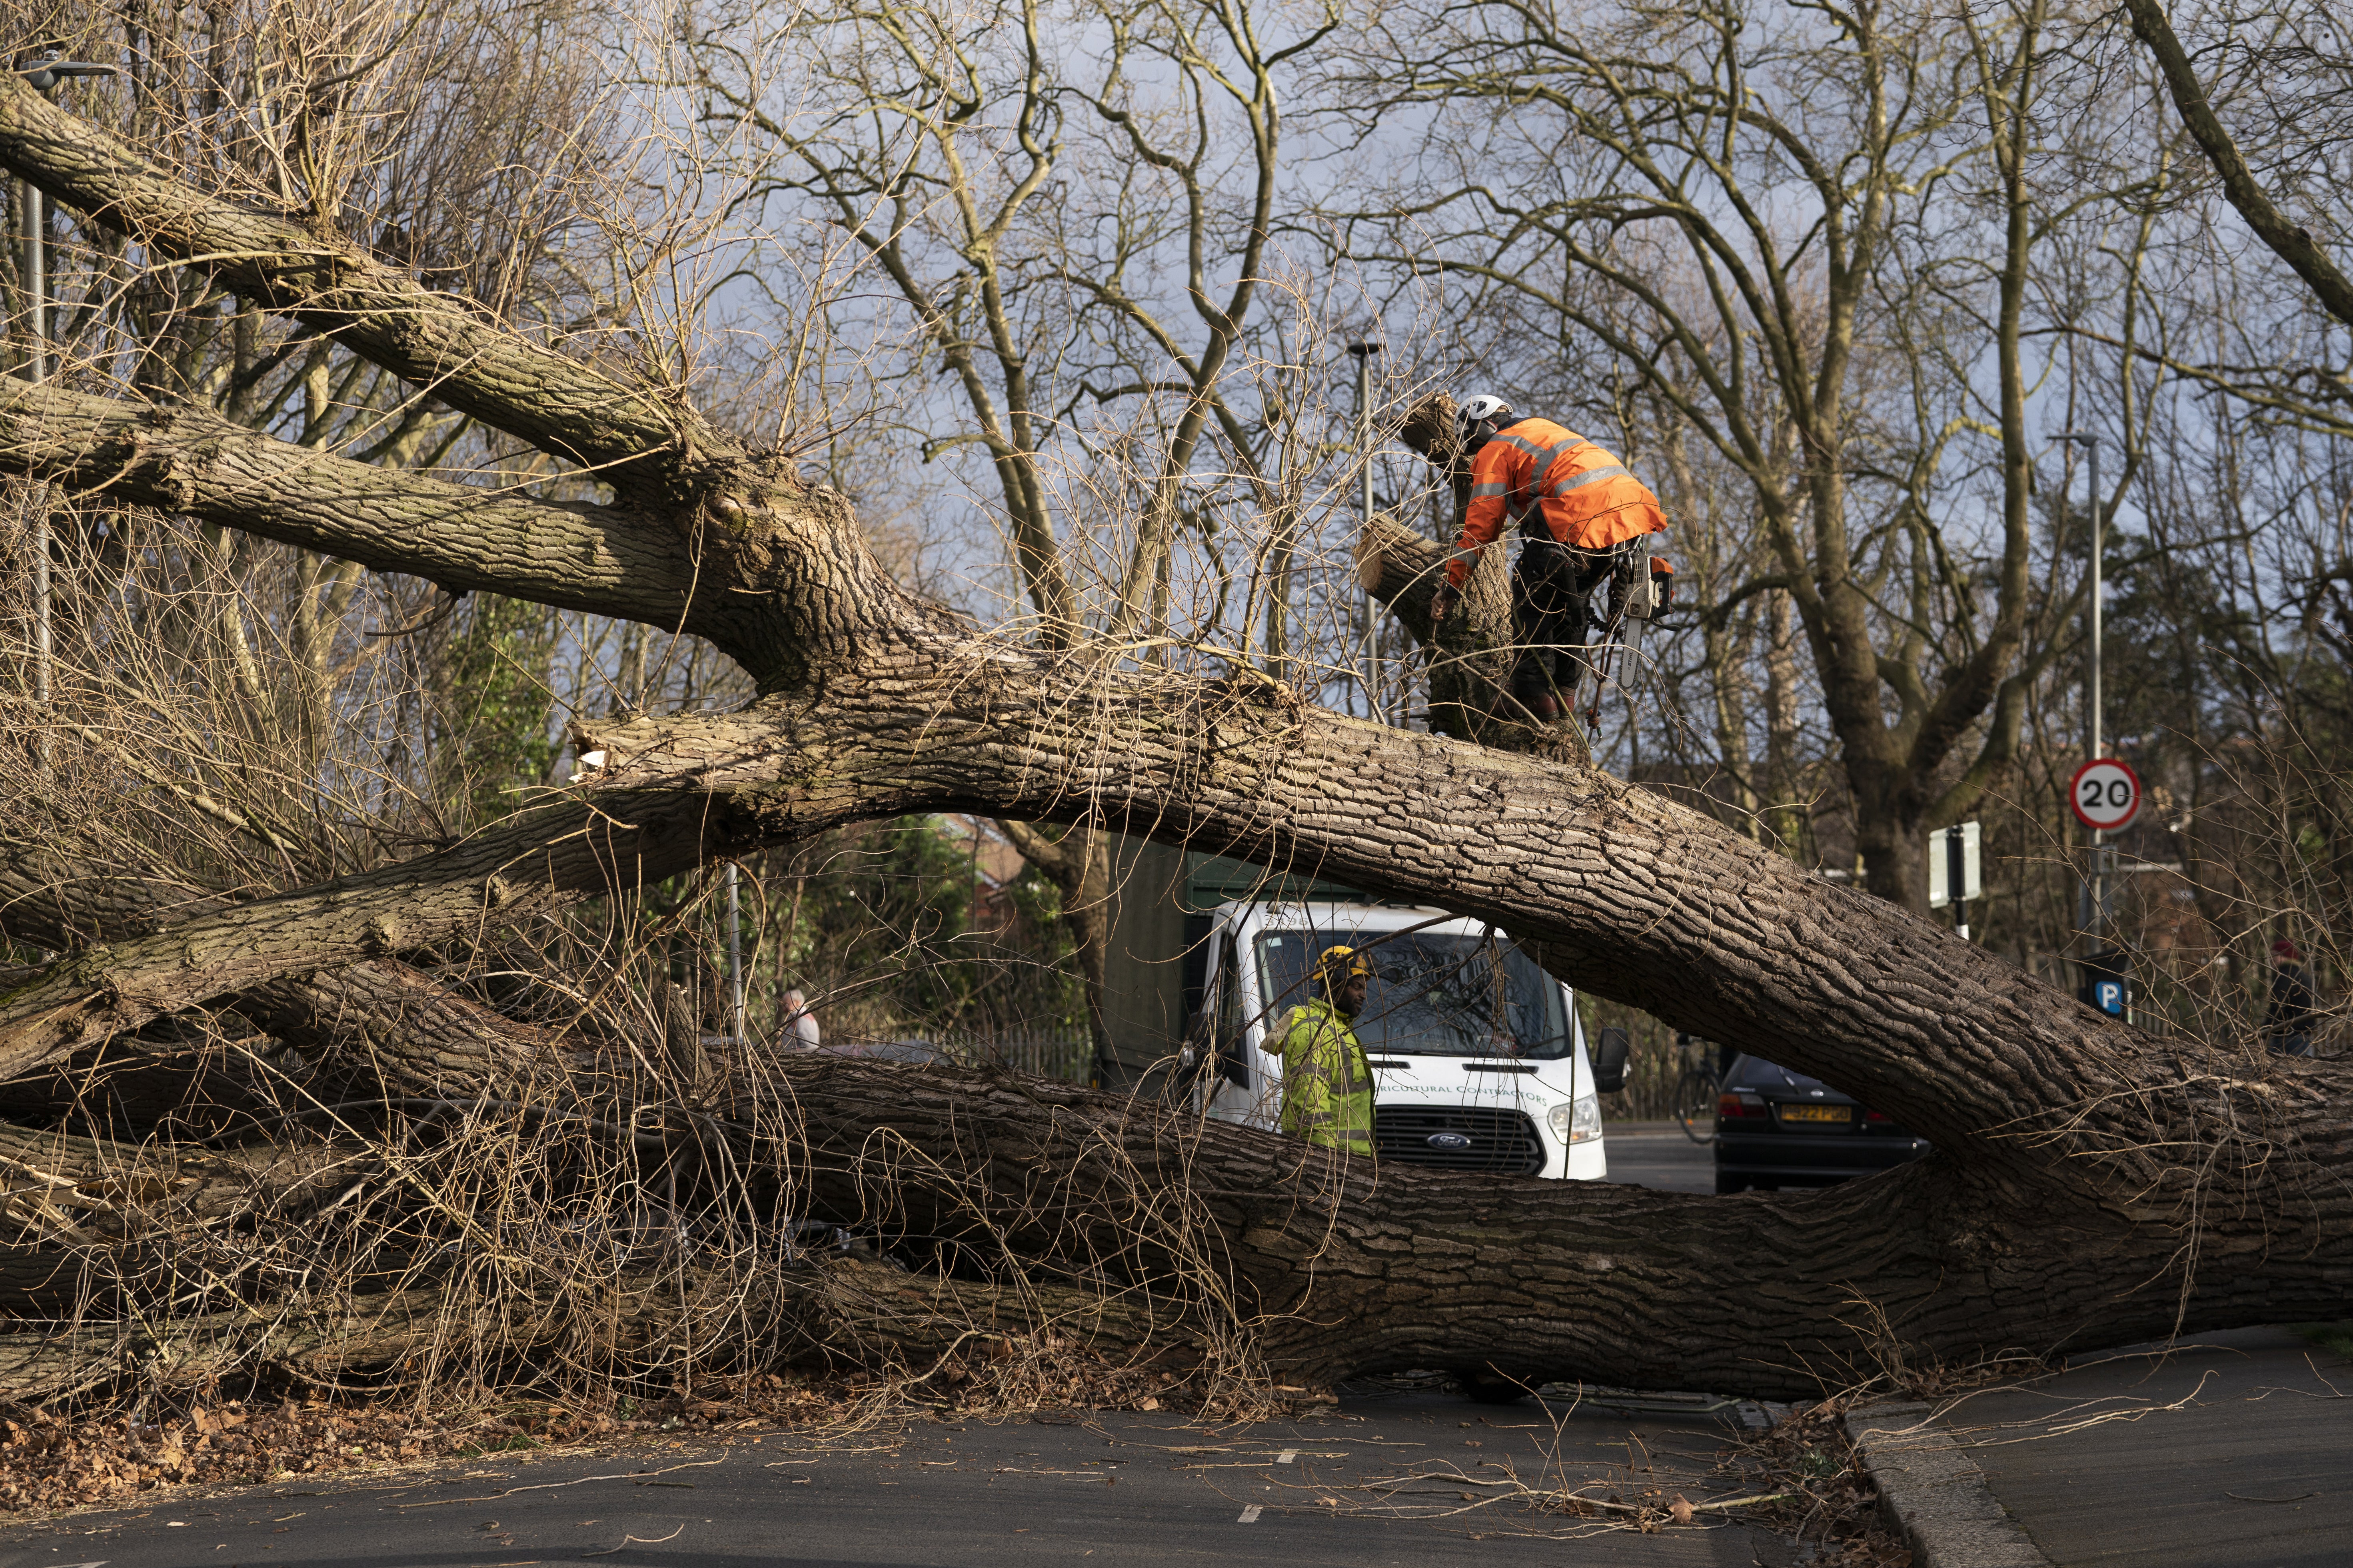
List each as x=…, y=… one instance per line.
x=1696, y=1089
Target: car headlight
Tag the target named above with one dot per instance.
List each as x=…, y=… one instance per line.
x=1577, y=1120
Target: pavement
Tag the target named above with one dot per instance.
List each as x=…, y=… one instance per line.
x=2228, y=1448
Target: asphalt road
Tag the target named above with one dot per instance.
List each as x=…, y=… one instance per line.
x=1398, y=1476
x=1411, y=1479
x=1658, y=1155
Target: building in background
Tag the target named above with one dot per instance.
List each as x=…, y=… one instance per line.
x=1159, y=940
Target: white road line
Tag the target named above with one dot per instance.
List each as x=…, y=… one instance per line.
x=1249, y=1515
x=1286, y=1456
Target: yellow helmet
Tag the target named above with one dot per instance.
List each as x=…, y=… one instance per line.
x=1341, y=962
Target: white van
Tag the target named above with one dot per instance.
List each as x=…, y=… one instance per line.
x=1478, y=1060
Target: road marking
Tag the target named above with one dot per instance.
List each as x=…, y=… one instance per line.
x=1249, y=1515
x=1286, y=1456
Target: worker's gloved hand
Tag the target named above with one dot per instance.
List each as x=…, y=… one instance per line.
x=1441, y=603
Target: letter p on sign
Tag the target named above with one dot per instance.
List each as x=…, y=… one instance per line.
x=2104, y=795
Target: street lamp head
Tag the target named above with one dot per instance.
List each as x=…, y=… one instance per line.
x=43, y=76
x=2079, y=436
x=1362, y=349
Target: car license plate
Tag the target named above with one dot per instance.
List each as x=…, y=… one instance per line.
x=1817, y=1113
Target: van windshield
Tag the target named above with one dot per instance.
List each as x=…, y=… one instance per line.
x=1430, y=995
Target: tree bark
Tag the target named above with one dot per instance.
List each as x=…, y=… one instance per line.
x=522, y=867
x=1343, y=1268
x=1171, y=1232
x=380, y=1016
x=1472, y=654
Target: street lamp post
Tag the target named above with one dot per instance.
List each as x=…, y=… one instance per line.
x=1363, y=352
x=43, y=77
x=2096, y=917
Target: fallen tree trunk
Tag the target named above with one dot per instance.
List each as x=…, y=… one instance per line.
x=668, y=1325
x=1340, y=1267
x=380, y=1018
x=1151, y=1236
x=520, y=869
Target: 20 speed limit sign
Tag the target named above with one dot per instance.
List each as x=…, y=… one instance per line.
x=2106, y=795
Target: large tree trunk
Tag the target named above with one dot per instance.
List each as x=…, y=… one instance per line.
x=1349, y=1269
x=2091, y=1185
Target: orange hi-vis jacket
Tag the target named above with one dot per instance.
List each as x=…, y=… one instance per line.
x=1588, y=500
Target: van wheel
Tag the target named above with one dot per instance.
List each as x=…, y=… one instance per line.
x=1487, y=1388
x=1725, y=1184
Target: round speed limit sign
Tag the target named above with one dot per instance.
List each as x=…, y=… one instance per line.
x=2106, y=795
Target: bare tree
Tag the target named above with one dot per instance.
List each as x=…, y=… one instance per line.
x=940, y=141
x=1750, y=219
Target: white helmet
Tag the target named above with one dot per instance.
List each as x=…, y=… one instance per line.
x=1483, y=409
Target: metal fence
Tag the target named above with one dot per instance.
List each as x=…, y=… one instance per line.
x=1065, y=1055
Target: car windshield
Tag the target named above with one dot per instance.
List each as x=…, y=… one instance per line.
x=1430, y=995
x=1759, y=1076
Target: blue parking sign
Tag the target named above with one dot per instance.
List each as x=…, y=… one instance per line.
x=2108, y=996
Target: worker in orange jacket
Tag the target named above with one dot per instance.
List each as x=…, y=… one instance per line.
x=1574, y=503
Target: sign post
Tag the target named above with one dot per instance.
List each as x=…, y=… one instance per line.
x=1956, y=871
x=2106, y=796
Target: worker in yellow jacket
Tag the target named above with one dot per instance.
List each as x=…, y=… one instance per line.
x=1327, y=1089
x=1574, y=503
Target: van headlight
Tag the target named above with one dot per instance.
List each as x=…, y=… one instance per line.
x=1577, y=1120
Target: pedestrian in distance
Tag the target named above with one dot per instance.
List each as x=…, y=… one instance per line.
x=800, y=1031
x=2288, y=1022
x=1327, y=1087
x=1578, y=510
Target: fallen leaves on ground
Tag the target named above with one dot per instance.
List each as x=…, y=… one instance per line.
x=50, y=1461
x=1826, y=1499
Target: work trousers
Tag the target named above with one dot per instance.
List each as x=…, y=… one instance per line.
x=1551, y=614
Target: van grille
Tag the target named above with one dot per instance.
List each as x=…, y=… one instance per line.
x=1502, y=1142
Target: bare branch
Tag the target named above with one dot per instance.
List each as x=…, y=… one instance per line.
x=438, y=342
x=2289, y=240
x=609, y=561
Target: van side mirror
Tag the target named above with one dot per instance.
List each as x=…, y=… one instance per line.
x=1609, y=1056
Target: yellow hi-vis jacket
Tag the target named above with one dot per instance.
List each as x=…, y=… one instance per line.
x=1585, y=496
x=1327, y=1089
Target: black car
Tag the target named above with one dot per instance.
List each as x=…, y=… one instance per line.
x=1774, y=1129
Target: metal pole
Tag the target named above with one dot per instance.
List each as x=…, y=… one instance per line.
x=2096, y=917
x=2099, y=848
x=1369, y=652
x=1957, y=880
x=2099, y=543
x=735, y=956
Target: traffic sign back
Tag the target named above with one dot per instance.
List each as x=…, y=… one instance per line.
x=2104, y=795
